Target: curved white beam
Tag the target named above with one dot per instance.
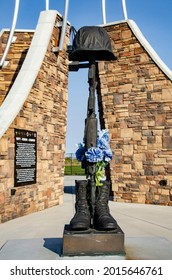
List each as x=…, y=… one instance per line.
x=124, y=8
x=28, y=72
x=104, y=11
x=143, y=41
x=155, y=57
x=64, y=25
x=15, y=16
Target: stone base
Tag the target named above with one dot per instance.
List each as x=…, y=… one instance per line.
x=92, y=242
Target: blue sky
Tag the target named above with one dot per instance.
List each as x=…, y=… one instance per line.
x=153, y=17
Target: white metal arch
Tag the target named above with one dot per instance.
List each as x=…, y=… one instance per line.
x=13, y=26
x=104, y=11
x=15, y=16
x=124, y=9
x=64, y=25
x=46, y=5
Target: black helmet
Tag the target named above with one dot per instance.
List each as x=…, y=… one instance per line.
x=91, y=42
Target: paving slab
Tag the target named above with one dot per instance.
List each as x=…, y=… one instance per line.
x=147, y=230
x=136, y=248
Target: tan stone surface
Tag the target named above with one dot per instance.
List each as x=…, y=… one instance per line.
x=139, y=120
x=45, y=111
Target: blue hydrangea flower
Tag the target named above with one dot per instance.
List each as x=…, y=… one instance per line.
x=107, y=155
x=103, y=140
x=94, y=154
x=103, y=134
x=80, y=153
x=102, y=144
x=101, y=155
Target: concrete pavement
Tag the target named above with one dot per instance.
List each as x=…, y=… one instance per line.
x=147, y=229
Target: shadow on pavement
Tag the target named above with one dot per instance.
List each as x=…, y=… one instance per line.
x=54, y=245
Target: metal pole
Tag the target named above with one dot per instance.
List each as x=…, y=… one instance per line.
x=124, y=7
x=15, y=16
x=104, y=11
x=71, y=164
x=47, y=5
x=64, y=25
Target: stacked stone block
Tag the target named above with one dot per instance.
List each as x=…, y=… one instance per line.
x=15, y=58
x=135, y=104
x=45, y=111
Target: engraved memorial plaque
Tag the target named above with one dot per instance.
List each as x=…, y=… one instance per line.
x=25, y=157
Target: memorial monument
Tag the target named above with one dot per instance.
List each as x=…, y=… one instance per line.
x=92, y=220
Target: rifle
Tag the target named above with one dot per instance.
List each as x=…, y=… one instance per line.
x=90, y=133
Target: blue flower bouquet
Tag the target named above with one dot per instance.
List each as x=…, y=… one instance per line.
x=101, y=155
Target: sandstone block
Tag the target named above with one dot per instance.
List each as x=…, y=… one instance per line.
x=167, y=94
x=128, y=150
x=167, y=142
x=160, y=161
x=126, y=133
x=138, y=165
x=126, y=34
x=139, y=157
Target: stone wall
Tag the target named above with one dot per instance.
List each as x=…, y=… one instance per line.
x=45, y=111
x=135, y=104
x=16, y=56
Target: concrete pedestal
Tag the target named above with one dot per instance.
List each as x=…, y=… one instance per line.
x=92, y=242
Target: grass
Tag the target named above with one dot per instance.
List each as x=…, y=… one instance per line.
x=74, y=170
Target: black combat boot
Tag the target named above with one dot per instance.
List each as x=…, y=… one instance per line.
x=102, y=217
x=82, y=217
